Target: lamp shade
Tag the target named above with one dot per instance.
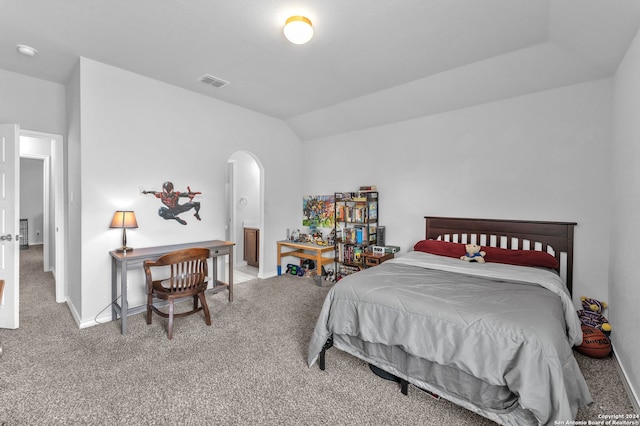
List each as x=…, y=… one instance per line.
x=124, y=219
x=298, y=29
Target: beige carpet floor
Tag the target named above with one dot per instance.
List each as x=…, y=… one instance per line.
x=249, y=368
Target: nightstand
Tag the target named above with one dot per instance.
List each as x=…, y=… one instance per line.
x=374, y=259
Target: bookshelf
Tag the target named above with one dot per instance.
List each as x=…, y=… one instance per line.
x=356, y=228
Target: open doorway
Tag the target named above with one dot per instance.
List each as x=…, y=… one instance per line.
x=33, y=199
x=245, y=215
x=43, y=201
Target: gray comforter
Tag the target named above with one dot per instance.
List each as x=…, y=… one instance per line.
x=506, y=325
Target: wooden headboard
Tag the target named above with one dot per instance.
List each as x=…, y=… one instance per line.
x=511, y=234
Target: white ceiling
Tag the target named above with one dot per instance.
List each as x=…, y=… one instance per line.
x=370, y=62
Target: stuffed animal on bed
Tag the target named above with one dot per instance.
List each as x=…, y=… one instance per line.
x=473, y=253
x=591, y=314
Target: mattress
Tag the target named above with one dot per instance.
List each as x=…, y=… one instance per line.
x=494, y=338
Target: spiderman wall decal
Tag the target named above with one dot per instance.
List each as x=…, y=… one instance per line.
x=172, y=208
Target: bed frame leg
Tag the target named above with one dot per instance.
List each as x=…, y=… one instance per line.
x=327, y=345
x=404, y=387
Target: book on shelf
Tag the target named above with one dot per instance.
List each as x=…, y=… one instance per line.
x=350, y=254
x=345, y=270
x=349, y=235
x=357, y=255
x=373, y=210
x=351, y=214
x=369, y=188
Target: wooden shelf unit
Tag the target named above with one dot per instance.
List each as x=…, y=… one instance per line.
x=356, y=229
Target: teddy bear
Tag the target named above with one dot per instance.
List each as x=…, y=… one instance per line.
x=473, y=253
x=591, y=314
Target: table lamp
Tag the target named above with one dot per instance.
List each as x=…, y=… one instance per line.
x=124, y=219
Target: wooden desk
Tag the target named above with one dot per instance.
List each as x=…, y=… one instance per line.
x=121, y=261
x=306, y=251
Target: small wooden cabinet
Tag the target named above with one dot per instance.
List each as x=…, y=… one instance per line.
x=371, y=259
x=252, y=246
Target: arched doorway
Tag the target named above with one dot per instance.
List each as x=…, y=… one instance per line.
x=245, y=211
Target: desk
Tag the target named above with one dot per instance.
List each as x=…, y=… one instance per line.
x=306, y=251
x=121, y=261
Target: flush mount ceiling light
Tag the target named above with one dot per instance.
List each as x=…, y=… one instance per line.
x=298, y=29
x=26, y=50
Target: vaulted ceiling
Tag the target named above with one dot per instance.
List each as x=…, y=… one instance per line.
x=370, y=62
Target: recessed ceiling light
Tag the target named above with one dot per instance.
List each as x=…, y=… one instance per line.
x=298, y=29
x=26, y=50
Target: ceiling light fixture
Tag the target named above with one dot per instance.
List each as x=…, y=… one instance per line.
x=26, y=50
x=298, y=29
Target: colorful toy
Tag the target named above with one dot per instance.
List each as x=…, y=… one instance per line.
x=591, y=315
x=329, y=275
x=294, y=270
x=308, y=267
x=473, y=253
x=594, y=343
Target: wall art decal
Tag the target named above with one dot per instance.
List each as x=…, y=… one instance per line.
x=317, y=210
x=172, y=208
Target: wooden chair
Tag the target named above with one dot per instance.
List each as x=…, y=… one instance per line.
x=185, y=274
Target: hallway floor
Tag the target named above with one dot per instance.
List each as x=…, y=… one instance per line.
x=243, y=273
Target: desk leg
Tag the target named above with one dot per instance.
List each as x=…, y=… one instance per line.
x=231, y=275
x=319, y=268
x=279, y=254
x=124, y=305
x=114, y=288
x=214, y=270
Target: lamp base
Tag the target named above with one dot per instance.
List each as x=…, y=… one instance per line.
x=124, y=249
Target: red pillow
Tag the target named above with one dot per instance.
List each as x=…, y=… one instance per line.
x=441, y=248
x=493, y=254
x=520, y=257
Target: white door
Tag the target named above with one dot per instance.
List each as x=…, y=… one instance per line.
x=9, y=230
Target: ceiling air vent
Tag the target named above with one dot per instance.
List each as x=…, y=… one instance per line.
x=213, y=81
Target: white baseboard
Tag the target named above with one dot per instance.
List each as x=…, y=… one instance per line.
x=74, y=313
x=633, y=395
x=264, y=276
x=106, y=317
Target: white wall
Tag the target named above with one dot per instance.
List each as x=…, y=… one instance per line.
x=624, y=293
x=73, y=285
x=33, y=104
x=543, y=156
x=137, y=133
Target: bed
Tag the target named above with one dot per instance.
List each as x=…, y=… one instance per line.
x=493, y=337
